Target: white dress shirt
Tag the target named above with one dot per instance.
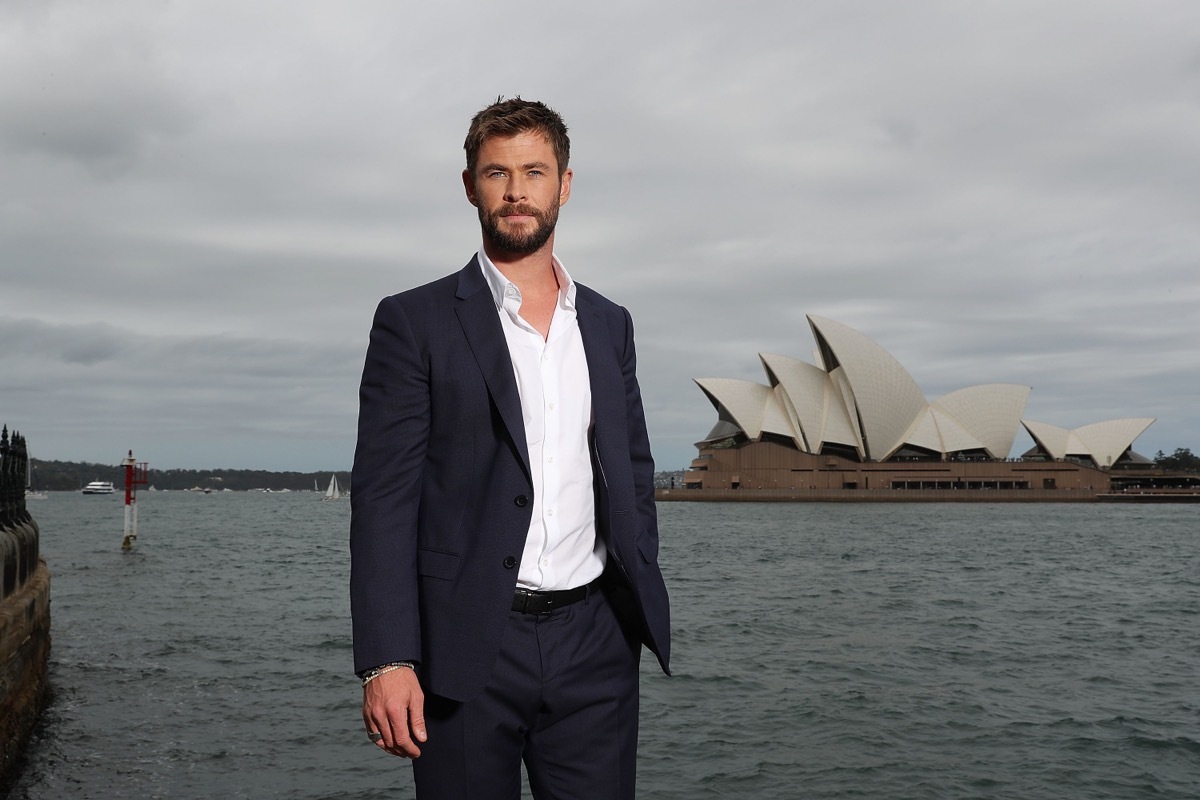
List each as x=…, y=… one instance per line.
x=562, y=550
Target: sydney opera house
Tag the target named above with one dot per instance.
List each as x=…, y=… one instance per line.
x=855, y=426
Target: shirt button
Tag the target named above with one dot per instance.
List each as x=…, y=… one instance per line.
x=551, y=406
x=550, y=513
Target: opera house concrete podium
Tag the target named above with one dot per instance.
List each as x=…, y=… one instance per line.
x=856, y=426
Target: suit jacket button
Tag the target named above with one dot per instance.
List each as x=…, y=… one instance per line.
x=521, y=501
x=510, y=562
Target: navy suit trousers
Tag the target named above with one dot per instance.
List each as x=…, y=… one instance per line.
x=563, y=699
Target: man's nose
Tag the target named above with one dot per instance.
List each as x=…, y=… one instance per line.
x=514, y=191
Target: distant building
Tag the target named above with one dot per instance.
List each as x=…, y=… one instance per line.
x=858, y=421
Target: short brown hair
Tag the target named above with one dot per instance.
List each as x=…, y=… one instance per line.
x=507, y=118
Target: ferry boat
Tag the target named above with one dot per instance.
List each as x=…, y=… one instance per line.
x=99, y=487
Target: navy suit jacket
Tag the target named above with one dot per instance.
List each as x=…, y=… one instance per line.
x=441, y=493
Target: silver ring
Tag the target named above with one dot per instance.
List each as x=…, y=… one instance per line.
x=375, y=736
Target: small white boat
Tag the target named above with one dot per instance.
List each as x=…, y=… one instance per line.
x=334, y=492
x=32, y=492
x=99, y=487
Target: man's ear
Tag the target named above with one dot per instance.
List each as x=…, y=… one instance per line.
x=564, y=187
x=469, y=186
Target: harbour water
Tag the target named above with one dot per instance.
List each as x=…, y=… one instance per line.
x=821, y=651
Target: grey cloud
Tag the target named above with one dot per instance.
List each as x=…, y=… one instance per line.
x=86, y=344
x=1004, y=192
x=94, y=94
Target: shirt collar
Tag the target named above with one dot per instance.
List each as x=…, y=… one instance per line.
x=503, y=289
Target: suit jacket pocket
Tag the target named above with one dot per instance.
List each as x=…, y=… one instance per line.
x=648, y=549
x=436, y=564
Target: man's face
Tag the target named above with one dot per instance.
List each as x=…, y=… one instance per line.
x=517, y=189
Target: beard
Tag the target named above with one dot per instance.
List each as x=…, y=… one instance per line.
x=519, y=242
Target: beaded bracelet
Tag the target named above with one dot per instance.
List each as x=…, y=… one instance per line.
x=374, y=673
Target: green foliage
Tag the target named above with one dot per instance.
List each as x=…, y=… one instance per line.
x=1182, y=460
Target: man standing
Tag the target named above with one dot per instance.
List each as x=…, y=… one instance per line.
x=504, y=540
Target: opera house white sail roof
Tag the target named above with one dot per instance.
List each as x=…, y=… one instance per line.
x=860, y=399
x=1103, y=442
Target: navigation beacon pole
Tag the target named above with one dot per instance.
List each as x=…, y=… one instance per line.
x=135, y=474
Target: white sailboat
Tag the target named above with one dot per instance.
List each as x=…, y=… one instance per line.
x=32, y=492
x=334, y=492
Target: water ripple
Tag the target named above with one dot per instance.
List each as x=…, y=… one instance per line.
x=821, y=651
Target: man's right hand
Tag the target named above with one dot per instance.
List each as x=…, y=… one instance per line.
x=394, y=705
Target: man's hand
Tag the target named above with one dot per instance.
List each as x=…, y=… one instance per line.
x=394, y=705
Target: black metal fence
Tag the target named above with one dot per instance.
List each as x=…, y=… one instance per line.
x=18, y=530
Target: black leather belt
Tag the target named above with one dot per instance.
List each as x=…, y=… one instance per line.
x=528, y=601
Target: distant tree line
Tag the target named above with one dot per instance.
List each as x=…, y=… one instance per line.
x=668, y=479
x=1182, y=460
x=65, y=476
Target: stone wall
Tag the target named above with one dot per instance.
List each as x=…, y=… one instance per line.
x=774, y=470
x=24, y=609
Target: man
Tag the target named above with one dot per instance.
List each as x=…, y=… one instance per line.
x=504, y=541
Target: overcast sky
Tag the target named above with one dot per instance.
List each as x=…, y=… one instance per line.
x=202, y=201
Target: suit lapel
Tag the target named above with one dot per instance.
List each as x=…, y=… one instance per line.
x=476, y=311
x=604, y=372
x=608, y=409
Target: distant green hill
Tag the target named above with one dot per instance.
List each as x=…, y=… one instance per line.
x=72, y=475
